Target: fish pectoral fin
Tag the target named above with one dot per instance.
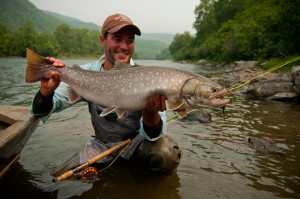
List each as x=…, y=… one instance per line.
x=173, y=105
x=107, y=111
x=120, y=113
x=72, y=95
x=181, y=113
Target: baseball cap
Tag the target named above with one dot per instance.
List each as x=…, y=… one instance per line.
x=116, y=22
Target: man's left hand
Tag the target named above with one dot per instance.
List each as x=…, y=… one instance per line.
x=150, y=113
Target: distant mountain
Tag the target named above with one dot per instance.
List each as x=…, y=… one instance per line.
x=76, y=23
x=162, y=37
x=14, y=12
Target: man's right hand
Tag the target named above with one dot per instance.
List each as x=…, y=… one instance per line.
x=48, y=86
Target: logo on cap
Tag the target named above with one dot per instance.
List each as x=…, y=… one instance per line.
x=123, y=18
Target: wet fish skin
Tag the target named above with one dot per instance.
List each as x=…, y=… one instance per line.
x=127, y=88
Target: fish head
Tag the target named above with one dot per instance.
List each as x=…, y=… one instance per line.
x=203, y=94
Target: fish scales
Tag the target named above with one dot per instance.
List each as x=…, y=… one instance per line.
x=126, y=88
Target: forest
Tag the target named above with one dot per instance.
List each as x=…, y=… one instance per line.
x=64, y=41
x=226, y=30
x=229, y=30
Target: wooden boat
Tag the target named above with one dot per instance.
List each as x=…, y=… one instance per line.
x=16, y=127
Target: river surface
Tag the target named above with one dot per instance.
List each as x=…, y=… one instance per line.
x=216, y=162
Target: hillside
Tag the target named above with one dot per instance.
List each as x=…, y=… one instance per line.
x=76, y=23
x=162, y=37
x=14, y=12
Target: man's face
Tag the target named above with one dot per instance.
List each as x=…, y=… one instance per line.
x=119, y=46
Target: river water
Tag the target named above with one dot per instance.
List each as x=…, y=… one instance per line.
x=216, y=162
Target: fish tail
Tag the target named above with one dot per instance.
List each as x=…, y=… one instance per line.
x=38, y=68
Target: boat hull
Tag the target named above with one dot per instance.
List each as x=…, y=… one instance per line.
x=16, y=127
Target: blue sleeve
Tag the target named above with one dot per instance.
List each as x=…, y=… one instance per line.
x=60, y=98
x=60, y=101
x=144, y=135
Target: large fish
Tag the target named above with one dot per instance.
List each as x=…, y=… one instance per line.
x=127, y=88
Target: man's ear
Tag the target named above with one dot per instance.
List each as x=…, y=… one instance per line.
x=102, y=40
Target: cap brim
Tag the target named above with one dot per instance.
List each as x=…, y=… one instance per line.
x=119, y=27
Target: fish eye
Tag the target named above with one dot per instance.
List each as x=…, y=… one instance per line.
x=214, y=90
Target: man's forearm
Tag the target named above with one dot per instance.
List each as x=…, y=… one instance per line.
x=42, y=105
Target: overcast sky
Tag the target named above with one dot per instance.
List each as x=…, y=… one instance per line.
x=151, y=16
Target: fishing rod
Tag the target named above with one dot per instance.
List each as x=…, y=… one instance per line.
x=92, y=160
x=234, y=87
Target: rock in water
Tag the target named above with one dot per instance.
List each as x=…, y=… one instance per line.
x=265, y=145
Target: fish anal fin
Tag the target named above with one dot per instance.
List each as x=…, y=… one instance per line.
x=181, y=113
x=107, y=111
x=120, y=112
x=72, y=95
x=173, y=105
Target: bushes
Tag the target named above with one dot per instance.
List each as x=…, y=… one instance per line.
x=228, y=30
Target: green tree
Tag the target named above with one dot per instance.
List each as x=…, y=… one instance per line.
x=181, y=47
x=228, y=30
x=24, y=37
x=93, y=43
x=48, y=45
x=65, y=37
x=4, y=41
x=164, y=54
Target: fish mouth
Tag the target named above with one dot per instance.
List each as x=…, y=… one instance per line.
x=217, y=99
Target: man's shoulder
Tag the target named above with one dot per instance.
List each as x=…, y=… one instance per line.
x=91, y=66
x=95, y=65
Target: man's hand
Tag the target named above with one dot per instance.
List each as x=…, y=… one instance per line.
x=150, y=113
x=48, y=86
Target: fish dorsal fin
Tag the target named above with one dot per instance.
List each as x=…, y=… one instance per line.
x=75, y=66
x=72, y=95
x=119, y=65
x=173, y=105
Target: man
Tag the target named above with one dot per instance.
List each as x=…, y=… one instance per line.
x=146, y=127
